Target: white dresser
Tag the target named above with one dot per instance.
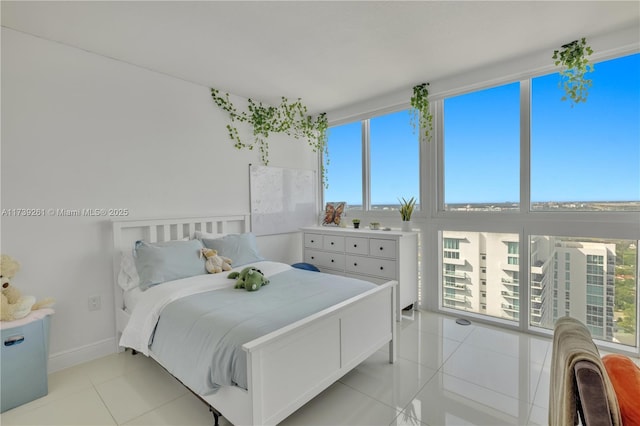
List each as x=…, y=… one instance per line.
x=375, y=256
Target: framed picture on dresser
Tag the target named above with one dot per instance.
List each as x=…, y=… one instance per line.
x=333, y=213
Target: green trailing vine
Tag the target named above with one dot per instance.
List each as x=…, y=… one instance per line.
x=421, y=117
x=289, y=118
x=572, y=57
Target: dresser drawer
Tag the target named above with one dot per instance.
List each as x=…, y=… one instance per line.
x=333, y=243
x=382, y=248
x=313, y=240
x=370, y=266
x=357, y=245
x=324, y=259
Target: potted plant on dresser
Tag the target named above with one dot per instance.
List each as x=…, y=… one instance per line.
x=356, y=223
x=406, y=210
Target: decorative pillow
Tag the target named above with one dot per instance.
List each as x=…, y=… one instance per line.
x=167, y=261
x=625, y=378
x=128, y=276
x=240, y=248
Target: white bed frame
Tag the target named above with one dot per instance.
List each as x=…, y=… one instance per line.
x=290, y=366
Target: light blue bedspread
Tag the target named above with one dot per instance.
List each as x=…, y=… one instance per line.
x=199, y=338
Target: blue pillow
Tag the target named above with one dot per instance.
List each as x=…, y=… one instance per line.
x=306, y=266
x=167, y=261
x=240, y=248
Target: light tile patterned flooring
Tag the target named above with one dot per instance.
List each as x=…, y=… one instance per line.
x=446, y=374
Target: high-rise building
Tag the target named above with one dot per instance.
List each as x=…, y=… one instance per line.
x=584, y=284
x=481, y=273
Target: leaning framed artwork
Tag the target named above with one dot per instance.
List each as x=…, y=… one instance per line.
x=333, y=213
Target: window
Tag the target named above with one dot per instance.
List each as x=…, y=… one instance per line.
x=495, y=294
x=583, y=177
x=387, y=150
x=482, y=150
x=575, y=158
x=344, y=172
x=594, y=166
x=451, y=243
x=449, y=269
x=451, y=254
x=395, y=160
x=451, y=248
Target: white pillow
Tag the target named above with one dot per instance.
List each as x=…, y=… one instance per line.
x=200, y=235
x=128, y=277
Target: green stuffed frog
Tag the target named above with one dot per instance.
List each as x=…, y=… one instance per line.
x=250, y=278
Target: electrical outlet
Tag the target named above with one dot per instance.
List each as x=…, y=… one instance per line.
x=95, y=303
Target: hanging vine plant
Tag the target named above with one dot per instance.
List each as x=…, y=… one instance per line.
x=289, y=118
x=421, y=118
x=572, y=58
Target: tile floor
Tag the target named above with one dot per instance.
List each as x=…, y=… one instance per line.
x=446, y=374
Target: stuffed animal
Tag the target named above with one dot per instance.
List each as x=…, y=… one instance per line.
x=215, y=263
x=13, y=305
x=250, y=278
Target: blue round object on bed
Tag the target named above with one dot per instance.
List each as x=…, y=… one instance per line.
x=307, y=266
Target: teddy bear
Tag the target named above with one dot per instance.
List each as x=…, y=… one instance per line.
x=13, y=305
x=250, y=278
x=215, y=263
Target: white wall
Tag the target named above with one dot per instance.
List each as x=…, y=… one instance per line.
x=84, y=131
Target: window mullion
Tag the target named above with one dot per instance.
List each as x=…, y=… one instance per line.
x=525, y=203
x=366, y=166
x=525, y=146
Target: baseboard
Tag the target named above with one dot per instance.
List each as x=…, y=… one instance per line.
x=61, y=360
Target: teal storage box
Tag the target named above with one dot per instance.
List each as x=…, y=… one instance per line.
x=23, y=362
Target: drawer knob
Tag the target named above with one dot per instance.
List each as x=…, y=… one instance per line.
x=313, y=257
x=313, y=241
x=381, y=248
x=331, y=242
x=381, y=268
x=355, y=245
x=355, y=264
x=331, y=260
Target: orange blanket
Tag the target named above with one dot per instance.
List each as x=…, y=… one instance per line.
x=625, y=378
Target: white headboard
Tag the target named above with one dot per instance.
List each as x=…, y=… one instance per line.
x=127, y=231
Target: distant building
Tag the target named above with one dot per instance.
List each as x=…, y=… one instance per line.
x=584, y=284
x=481, y=273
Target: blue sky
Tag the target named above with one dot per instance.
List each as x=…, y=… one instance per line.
x=590, y=152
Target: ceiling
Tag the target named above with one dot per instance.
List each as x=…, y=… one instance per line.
x=331, y=54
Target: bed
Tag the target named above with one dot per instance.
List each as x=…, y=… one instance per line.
x=286, y=366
